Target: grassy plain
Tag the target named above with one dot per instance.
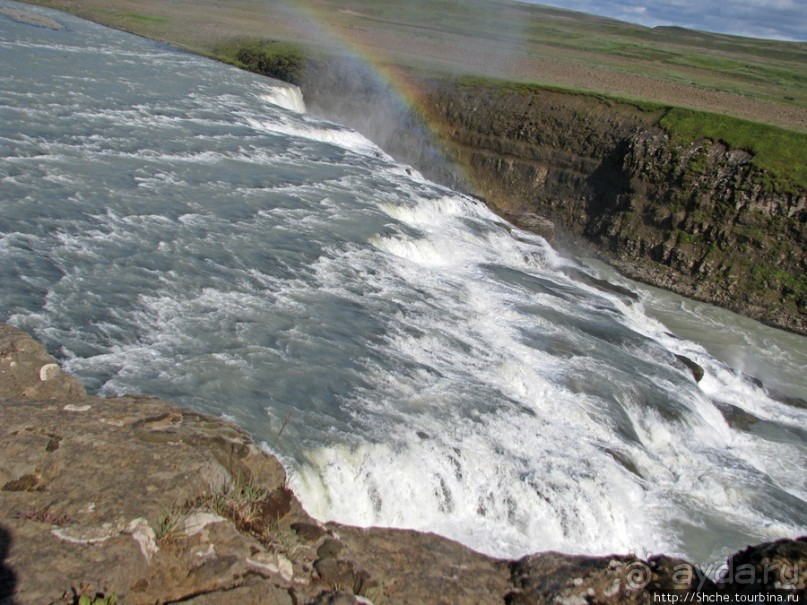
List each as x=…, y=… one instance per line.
x=748, y=93
x=758, y=80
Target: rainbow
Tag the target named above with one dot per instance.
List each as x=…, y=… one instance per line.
x=320, y=25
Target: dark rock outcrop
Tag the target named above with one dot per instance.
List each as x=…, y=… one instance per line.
x=152, y=503
x=555, y=578
x=779, y=566
x=696, y=369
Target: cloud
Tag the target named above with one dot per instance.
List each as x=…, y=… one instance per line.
x=773, y=19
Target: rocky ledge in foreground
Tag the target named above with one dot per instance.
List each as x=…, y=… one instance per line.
x=136, y=500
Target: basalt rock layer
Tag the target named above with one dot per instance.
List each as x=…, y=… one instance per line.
x=696, y=219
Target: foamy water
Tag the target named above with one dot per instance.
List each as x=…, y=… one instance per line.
x=173, y=226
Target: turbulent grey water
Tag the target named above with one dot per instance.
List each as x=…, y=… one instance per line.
x=174, y=226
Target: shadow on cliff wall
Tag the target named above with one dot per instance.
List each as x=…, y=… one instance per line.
x=8, y=579
x=608, y=186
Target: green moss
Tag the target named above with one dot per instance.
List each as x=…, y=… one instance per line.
x=796, y=286
x=793, y=285
x=698, y=163
x=502, y=87
x=283, y=60
x=781, y=153
x=688, y=238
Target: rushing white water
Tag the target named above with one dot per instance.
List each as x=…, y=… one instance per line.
x=285, y=96
x=174, y=226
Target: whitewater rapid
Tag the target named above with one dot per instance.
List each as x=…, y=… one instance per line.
x=177, y=227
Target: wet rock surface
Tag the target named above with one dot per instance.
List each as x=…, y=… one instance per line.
x=153, y=503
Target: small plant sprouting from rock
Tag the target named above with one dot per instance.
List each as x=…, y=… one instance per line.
x=283, y=539
x=84, y=595
x=254, y=510
x=376, y=594
x=241, y=503
x=168, y=525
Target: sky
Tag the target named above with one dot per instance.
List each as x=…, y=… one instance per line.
x=772, y=19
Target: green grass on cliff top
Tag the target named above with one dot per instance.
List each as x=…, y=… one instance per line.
x=782, y=153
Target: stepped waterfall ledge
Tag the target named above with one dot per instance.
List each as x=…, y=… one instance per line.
x=288, y=97
x=174, y=226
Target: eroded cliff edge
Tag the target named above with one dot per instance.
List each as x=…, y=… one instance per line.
x=697, y=218
x=143, y=500
x=694, y=216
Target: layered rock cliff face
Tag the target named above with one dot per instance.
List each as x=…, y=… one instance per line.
x=698, y=218
x=137, y=499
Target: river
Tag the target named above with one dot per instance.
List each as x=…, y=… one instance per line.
x=174, y=226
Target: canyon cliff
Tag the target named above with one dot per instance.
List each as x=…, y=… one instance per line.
x=695, y=216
